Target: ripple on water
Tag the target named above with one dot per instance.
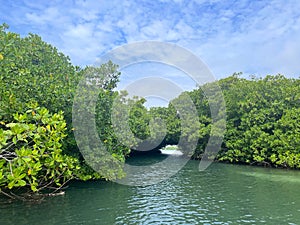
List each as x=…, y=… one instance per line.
x=222, y=194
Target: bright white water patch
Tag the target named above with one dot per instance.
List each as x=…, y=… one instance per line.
x=171, y=152
x=170, y=147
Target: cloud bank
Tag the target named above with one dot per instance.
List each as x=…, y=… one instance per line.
x=254, y=37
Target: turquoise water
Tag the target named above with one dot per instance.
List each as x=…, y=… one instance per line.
x=222, y=194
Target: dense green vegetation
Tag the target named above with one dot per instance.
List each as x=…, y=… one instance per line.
x=262, y=121
x=37, y=88
x=31, y=153
x=262, y=124
x=38, y=150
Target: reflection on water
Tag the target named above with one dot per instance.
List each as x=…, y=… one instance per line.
x=275, y=175
x=222, y=194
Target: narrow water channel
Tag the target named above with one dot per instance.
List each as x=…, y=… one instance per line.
x=222, y=194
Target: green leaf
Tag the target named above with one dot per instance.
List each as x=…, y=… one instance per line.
x=21, y=183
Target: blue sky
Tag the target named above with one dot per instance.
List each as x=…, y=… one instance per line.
x=249, y=36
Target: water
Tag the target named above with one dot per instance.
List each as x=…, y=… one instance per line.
x=223, y=194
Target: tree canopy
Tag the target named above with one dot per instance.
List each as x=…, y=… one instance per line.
x=37, y=89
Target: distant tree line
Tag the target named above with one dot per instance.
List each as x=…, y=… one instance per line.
x=262, y=121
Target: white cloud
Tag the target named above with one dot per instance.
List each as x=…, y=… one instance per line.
x=43, y=18
x=251, y=36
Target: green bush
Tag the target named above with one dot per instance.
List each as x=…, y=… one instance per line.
x=31, y=151
x=32, y=70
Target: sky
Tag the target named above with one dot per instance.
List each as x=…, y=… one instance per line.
x=250, y=36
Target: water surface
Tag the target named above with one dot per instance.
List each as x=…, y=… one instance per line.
x=222, y=194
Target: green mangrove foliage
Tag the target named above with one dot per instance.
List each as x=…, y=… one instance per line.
x=262, y=125
x=92, y=106
x=34, y=71
x=262, y=121
x=31, y=152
